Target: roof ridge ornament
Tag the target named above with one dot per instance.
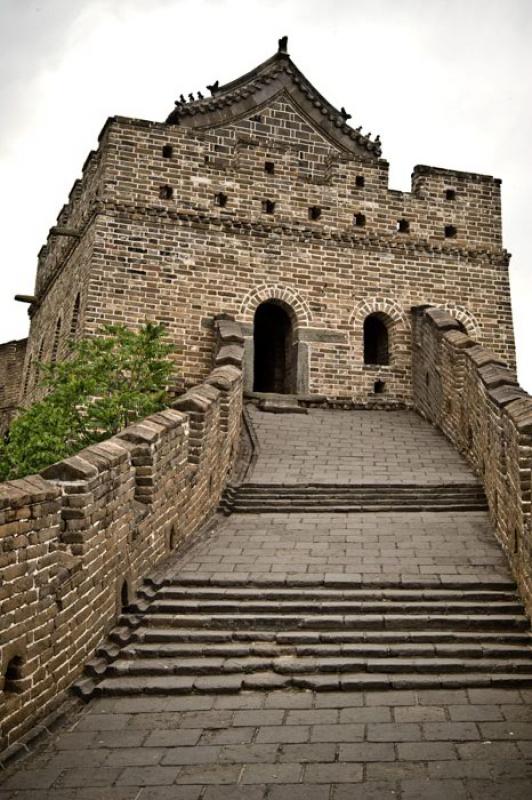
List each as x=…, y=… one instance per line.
x=283, y=45
x=276, y=72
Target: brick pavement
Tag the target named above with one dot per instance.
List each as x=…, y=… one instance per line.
x=474, y=744
x=367, y=546
x=349, y=447
x=424, y=745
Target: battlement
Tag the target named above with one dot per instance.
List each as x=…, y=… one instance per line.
x=253, y=163
x=96, y=524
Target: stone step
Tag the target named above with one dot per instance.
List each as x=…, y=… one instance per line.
x=356, y=491
x=451, y=486
x=381, y=639
x=341, y=581
x=357, y=681
x=275, y=507
x=207, y=665
x=358, y=497
x=266, y=606
x=301, y=594
x=481, y=650
x=350, y=622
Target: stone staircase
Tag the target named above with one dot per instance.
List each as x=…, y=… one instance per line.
x=254, y=498
x=185, y=636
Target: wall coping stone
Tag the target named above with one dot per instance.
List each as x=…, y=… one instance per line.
x=493, y=375
x=224, y=377
x=458, y=339
x=482, y=356
x=229, y=331
x=506, y=393
x=230, y=354
x=442, y=319
x=73, y=468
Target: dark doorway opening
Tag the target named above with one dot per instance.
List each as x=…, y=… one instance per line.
x=376, y=345
x=273, y=349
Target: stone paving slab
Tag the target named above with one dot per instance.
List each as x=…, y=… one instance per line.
x=284, y=745
x=436, y=546
x=353, y=447
x=472, y=744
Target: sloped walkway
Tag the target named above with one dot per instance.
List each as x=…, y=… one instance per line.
x=284, y=744
x=353, y=447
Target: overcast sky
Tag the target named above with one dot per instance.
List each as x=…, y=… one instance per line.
x=444, y=82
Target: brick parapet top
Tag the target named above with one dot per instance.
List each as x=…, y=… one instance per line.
x=424, y=169
x=27, y=491
x=498, y=379
x=88, y=466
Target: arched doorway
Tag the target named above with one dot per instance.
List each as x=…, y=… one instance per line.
x=273, y=362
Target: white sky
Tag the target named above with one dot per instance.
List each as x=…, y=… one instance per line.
x=444, y=82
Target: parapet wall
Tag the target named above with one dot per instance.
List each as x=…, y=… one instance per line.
x=76, y=541
x=475, y=399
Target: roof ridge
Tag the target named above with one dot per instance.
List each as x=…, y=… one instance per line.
x=240, y=89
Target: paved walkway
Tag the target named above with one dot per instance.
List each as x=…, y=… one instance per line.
x=349, y=447
x=425, y=745
x=400, y=546
x=473, y=744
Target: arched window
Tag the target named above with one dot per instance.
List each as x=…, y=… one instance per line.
x=75, y=317
x=55, y=344
x=376, y=340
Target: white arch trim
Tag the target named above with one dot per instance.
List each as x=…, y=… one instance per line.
x=464, y=316
x=277, y=291
x=384, y=305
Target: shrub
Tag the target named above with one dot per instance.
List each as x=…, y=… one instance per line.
x=107, y=382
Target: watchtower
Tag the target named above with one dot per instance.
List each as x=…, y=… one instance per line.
x=262, y=202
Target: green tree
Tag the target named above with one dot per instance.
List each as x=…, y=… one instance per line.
x=108, y=382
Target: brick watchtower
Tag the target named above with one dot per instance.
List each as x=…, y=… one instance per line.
x=261, y=202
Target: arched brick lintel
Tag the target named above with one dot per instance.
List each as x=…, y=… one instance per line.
x=383, y=305
x=284, y=294
x=463, y=315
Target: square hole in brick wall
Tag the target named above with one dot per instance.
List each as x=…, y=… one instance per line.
x=269, y=167
x=268, y=206
x=168, y=151
x=450, y=194
x=403, y=226
x=220, y=199
x=360, y=181
x=450, y=231
x=166, y=192
x=359, y=220
x=314, y=212
x=379, y=387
